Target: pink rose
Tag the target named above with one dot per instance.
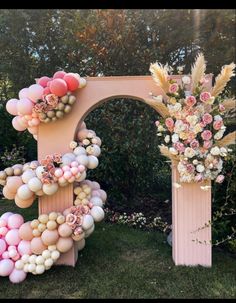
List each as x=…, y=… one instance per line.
x=194, y=144
x=157, y=123
x=205, y=96
x=71, y=219
x=207, y=144
x=202, y=124
x=191, y=100
x=169, y=122
x=57, y=158
x=173, y=88
x=198, y=178
x=51, y=99
x=190, y=168
x=39, y=107
x=206, y=135
x=207, y=118
x=220, y=179
x=221, y=108
x=217, y=124
x=179, y=147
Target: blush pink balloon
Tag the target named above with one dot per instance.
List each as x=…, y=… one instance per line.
x=3, y=222
x=43, y=81
x=17, y=257
x=3, y=231
x=5, y=255
x=74, y=170
x=35, y=92
x=6, y=215
x=17, y=276
x=11, y=107
x=67, y=175
x=72, y=81
x=58, y=87
x=59, y=74
x=12, y=237
x=35, y=121
x=15, y=221
x=25, y=231
x=24, y=248
x=23, y=93
x=58, y=172
x=46, y=90
x=13, y=183
x=81, y=168
x=74, y=164
x=3, y=246
x=6, y=267
x=24, y=106
x=37, y=246
x=17, y=125
x=95, y=193
x=72, y=179
x=66, y=168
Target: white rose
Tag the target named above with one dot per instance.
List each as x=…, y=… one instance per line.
x=192, y=119
x=175, y=138
x=215, y=151
x=189, y=152
x=186, y=80
x=167, y=139
x=195, y=162
x=160, y=128
x=217, y=117
x=200, y=168
x=219, y=134
x=173, y=151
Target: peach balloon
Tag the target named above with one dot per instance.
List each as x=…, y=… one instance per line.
x=50, y=237
x=24, y=203
x=24, y=106
x=7, y=193
x=11, y=107
x=58, y=87
x=24, y=192
x=33, y=130
x=17, y=125
x=24, y=247
x=72, y=81
x=43, y=81
x=25, y=232
x=15, y=221
x=13, y=183
x=64, y=230
x=59, y=74
x=35, y=121
x=64, y=244
x=37, y=246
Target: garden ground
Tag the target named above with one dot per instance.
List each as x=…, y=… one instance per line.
x=121, y=262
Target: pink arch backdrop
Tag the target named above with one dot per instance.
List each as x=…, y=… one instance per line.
x=191, y=206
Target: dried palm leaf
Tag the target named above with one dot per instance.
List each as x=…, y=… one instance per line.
x=229, y=104
x=226, y=73
x=165, y=152
x=198, y=70
x=160, y=75
x=159, y=106
x=227, y=140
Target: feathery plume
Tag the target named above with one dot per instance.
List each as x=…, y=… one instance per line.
x=198, y=70
x=160, y=75
x=227, y=140
x=159, y=106
x=221, y=80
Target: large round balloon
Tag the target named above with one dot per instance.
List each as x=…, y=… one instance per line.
x=11, y=107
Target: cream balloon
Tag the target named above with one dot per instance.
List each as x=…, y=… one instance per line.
x=24, y=192
x=97, y=213
x=96, y=201
x=50, y=189
x=87, y=222
x=39, y=171
x=92, y=162
x=35, y=184
x=27, y=175
x=83, y=159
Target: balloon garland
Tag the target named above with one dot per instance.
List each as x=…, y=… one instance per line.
x=46, y=101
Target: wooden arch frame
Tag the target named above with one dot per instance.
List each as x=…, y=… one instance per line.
x=191, y=206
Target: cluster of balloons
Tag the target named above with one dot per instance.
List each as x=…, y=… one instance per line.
x=61, y=85
x=34, y=246
x=24, y=182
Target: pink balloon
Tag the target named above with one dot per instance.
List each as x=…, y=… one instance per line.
x=6, y=267
x=24, y=106
x=3, y=246
x=23, y=93
x=35, y=92
x=71, y=81
x=74, y=164
x=58, y=172
x=6, y=215
x=17, y=276
x=46, y=91
x=15, y=221
x=95, y=193
x=17, y=125
x=81, y=168
x=67, y=175
x=33, y=130
x=24, y=248
x=5, y=255
x=59, y=74
x=49, y=82
x=3, y=222
x=11, y=107
x=17, y=257
x=43, y=81
x=35, y=121
x=66, y=168
x=12, y=237
x=13, y=183
x=3, y=231
x=58, y=87
x=74, y=170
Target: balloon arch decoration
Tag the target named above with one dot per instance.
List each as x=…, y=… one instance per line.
x=53, y=111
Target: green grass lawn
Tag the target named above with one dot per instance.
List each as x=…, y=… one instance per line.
x=121, y=262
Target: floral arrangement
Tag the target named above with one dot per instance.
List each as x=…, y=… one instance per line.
x=192, y=126
x=46, y=101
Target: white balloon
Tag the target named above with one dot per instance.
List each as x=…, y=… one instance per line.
x=40, y=260
x=89, y=231
x=35, y=184
x=80, y=244
x=46, y=254
x=27, y=175
x=25, y=258
x=92, y=162
x=87, y=222
x=39, y=171
x=40, y=269
x=66, y=160
x=82, y=159
x=50, y=189
x=55, y=255
x=26, y=267
x=79, y=151
x=19, y=264
x=97, y=213
x=96, y=201
x=31, y=267
x=70, y=155
x=49, y=262
x=32, y=259
x=24, y=192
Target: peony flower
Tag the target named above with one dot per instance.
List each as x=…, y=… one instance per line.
x=190, y=168
x=175, y=138
x=207, y=118
x=73, y=144
x=205, y=96
x=194, y=144
x=186, y=80
x=220, y=178
x=169, y=122
x=190, y=100
x=223, y=151
x=179, y=147
x=189, y=152
x=206, y=135
x=215, y=151
x=173, y=88
x=51, y=100
x=200, y=168
x=217, y=124
x=172, y=101
x=207, y=144
x=57, y=158
x=183, y=135
x=71, y=219
x=39, y=107
x=167, y=139
x=173, y=151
